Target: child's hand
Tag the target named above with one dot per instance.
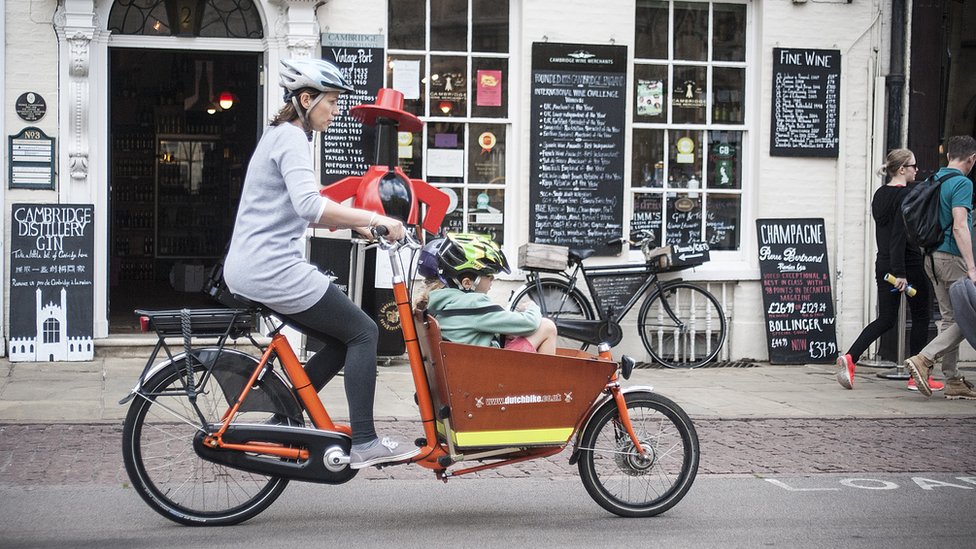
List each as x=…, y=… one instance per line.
x=521, y=307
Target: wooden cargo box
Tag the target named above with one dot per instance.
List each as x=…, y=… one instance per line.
x=501, y=398
x=542, y=257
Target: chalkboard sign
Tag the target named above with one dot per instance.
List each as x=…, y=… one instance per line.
x=348, y=147
x=576, y=173
x=51, y=282
x=799, y=310
x=689, y=254
x=806, y=101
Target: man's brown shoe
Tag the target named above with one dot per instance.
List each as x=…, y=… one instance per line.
x=920, y=367
x=959, y=389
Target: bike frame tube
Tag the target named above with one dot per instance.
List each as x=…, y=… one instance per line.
x=306, y=394
x=430, y=453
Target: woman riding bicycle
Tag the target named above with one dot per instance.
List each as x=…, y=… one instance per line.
x=265, y=263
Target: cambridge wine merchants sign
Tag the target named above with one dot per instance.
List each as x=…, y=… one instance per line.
x=51, y=285
x=799, y=310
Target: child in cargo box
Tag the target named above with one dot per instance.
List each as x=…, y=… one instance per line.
x=459, y=270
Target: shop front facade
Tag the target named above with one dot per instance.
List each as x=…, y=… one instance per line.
x=564, y=122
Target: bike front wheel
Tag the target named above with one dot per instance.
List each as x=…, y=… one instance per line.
x=157, y=448
x=620, y=479
x=682, y=325
x=558, y=301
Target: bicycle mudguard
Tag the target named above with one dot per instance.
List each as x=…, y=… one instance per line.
x=270, y=394
x=606, y=400
x=232, y=369
x=314, y=469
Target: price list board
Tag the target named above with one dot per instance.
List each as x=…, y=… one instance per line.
x=799, y=310
x=348, y=148
x=576, y=172
x=806, y=103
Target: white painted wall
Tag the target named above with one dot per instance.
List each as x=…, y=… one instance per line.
x=838, y=190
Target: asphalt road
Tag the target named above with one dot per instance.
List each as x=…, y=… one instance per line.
x=888, y=483
x=838, y=511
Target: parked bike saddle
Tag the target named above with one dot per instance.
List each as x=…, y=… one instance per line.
x=580, y=255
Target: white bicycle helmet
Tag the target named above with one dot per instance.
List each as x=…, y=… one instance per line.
x=314, y=74
x=317, y=74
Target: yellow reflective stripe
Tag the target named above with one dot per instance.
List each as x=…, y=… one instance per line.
x=520, y=436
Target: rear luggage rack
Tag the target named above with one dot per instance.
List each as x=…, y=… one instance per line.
x=233, y=323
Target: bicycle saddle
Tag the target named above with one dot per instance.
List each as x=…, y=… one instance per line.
x=577, y=255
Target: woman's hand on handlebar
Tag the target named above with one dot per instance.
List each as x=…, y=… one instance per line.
x=389, y=228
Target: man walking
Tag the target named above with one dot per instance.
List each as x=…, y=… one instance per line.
x=952, y=260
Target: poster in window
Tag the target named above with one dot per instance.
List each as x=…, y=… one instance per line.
x=489, y=90
x=51, y=282
x=650, y=98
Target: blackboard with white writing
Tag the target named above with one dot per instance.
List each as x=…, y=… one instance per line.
x=576, y=173
x=348, y=147
x=51, y=282
x=799, y=310
x=806, y=102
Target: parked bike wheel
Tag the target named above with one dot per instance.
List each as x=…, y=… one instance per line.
x=618, y=477
x=682, y=326
x=561, y=302
x=157, y=448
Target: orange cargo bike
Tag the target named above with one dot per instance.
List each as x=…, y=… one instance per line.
x=213, y=435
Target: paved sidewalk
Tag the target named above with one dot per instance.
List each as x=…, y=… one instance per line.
x=88, y=392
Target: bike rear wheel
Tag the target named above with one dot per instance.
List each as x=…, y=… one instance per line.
x=682, y=326
x=558, y=301
x=157, y=448
x=621, y=480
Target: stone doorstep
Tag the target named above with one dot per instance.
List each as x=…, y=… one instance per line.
x=140, y=345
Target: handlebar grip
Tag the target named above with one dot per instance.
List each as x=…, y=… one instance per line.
x=379, y=230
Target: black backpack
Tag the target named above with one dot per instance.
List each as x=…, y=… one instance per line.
x=920, y=212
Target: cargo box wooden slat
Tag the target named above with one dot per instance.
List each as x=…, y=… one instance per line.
x=542, y=257
x=501, y=398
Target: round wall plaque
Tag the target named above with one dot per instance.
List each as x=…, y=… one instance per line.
x=30, y=107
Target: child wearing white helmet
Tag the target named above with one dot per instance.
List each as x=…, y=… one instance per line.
x=279, y=201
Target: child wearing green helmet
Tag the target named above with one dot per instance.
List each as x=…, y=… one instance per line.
x=458, y=299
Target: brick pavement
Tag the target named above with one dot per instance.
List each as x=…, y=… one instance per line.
x=67, y=454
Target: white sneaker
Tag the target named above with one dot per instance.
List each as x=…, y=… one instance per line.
x=378, y=451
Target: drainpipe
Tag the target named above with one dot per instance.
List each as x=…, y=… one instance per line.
x=896, y=78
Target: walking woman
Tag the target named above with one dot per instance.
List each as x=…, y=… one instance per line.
x=897, y=257
x=265, y=263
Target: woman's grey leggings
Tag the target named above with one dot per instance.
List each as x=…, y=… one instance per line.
x=349, y=337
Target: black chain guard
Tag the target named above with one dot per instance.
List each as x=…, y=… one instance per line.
x=317, y=442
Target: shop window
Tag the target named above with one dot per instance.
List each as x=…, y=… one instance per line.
x=209, y=18
x=450, y=58
x=689, y=121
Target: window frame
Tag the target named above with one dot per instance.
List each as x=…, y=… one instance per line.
x=722, y=260
x=465, y=188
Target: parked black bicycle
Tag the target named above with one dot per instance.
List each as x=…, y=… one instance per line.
x=682, y=325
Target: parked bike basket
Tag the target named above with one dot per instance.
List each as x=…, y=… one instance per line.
x=499, y=398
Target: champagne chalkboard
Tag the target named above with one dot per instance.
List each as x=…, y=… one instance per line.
x=798, y=306
x=576, y=173
x=806, y=102
x=348, y=146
